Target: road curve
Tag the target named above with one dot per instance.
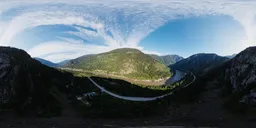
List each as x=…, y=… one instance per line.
x=136, y=98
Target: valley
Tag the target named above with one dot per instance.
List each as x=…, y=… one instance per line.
x=76, y=93
x=129, y=98
x=127, y=63
x=81, y=72
x=161, y=82
x=137, y=67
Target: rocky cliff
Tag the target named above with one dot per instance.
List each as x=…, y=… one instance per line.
x=26, y=84
x=242, y=75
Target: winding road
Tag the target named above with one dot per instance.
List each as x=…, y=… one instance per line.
x=178, y=76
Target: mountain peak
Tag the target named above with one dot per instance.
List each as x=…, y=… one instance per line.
x=250, y=49
x=199, y=63
x=204, y=54
x=127, y=50
x=167, y=59
x=14, y=52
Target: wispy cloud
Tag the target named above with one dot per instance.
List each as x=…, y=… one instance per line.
x=58, y=51
x=119, y=23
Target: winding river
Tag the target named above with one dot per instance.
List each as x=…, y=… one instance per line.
x=177, y=77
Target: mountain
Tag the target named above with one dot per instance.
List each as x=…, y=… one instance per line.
x=236, y=79
x=230, y=85
x=78, y=60
x=199, y=63
x=26, y=85
x=47, y=62
x=51, y=64
x=62, y=63
x=167, y=59
x=231, y=56
x=241, y=74
x=125, y=62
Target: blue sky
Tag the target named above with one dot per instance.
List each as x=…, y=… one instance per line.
x=201, y=34
x=186, y=36
x=61, y=29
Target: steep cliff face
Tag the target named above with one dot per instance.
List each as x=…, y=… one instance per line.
x=4, y=66
x=26, y=84
x=242, y=75
x=11, y=74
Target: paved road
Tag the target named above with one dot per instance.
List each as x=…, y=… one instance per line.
x=140, y=98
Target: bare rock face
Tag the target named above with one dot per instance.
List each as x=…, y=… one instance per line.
x=250, y=98
x=5, y=90
x=242, y=74
x=10, y=73
x=26, y=84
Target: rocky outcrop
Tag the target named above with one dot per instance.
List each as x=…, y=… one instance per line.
x=10, y=73
x=249, y=98
x=242, y=75
x=26, y=84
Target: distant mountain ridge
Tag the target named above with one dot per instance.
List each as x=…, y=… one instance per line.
x=124, y=62
x=62, y=63
x=199, y=63
x=167, y=59
x=231, y=56
x=51, y=64
x=46, y=62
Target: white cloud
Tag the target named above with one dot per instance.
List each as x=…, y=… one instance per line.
x=151, y=52
x=34, y=19
x=128, y=21
x=68, y=49
x=58, y=51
